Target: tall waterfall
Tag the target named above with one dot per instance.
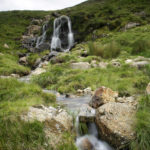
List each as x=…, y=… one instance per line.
x=41, y=39
x=63, y=38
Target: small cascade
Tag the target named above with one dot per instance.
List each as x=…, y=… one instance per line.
x=90, y=141
x=41, y=39
x=63, y=38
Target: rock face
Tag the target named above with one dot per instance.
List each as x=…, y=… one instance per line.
x=148, y=89
x=103, y=95
x=58, y=119
x=115, y=122
x=80, y=65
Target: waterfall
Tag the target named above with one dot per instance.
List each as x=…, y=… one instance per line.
x=90, y=141
x=41, y=39
x=63, y=38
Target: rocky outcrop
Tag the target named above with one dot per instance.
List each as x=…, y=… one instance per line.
x=6, y=46
x=131, y=25
x=57, y=119
x=81, y=65
x=115, y=122
x=148, y=89
x=103, y=95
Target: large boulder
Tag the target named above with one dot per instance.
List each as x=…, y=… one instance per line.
x=33, y=29
x=81, y=65
x=23, y=60
x=54, y=118
x=103, y=95
x=115, y=123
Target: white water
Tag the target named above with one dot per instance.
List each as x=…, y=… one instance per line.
x=56, y=42
x=41, y=39
x=90, y=141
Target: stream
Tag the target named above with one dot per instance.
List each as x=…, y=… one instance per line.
x=73, y=104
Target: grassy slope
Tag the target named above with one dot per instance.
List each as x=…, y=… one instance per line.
x=90, y=20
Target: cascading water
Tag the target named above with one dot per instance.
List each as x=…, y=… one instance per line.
x=41, y=39
x=90, y=141
x=63, y=38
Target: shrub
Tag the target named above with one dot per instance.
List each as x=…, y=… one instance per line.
x=140, y=46
x=110, y=50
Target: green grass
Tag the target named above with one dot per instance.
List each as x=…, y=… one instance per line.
x=9, y=64
x=110, y=50
x=142, y=126
x=63, y=79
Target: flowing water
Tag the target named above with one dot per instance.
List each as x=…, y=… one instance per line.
x=83, y=142
x=62, y=34
x=41, y=39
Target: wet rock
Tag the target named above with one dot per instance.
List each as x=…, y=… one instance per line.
x=23, y=61
x=103, y=95
x=38, y=71
x=81, y=65
x=115, y=123
x=58, y=119
x=148, y=89
x=84, y=143
x=42, y=47
x=86, y=114
x=6, y=46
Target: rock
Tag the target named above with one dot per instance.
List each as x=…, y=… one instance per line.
x=47, y=17
x=42, y=47
x=115, y=123
x=43, y=64
x=94, y=63
x=141, y=14
x=84, y=54
x=84, y=143
x=115, y=63
x=103, y=65
x=131, y=100
x=79, y=91
x=148, y=89
x=131, y=25
x=37, y=62
x=80, y=65
x=86, y=114
x=102, y=96
x=87, y=90
x=33, y=29
x=36, y=22
x=55, y=14
x=28, y=41
x=140, y=64
x=1, y=54
x=38, y=71
x=15, y=75
x=58, y=119
x=6, y=46
x=23, y=61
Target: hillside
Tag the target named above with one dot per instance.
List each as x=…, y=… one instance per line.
x=112, y=49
